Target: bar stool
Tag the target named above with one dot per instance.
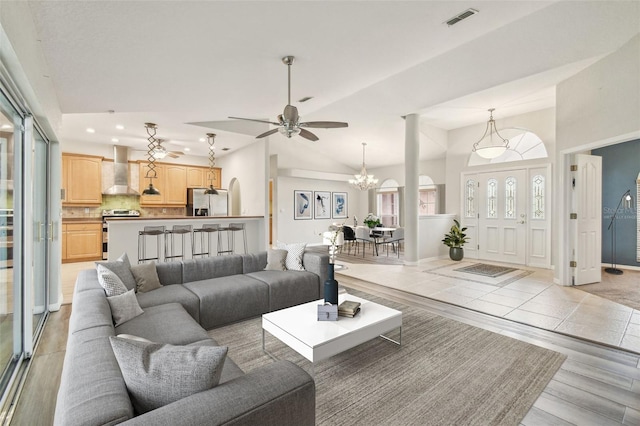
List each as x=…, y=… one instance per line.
x=149, y=231
x=231, y=240
x=169, y=247
x=205, y=235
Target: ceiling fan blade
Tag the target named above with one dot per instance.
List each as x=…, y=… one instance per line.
x=290, y=114
x=308, y=135
x=258, y=121
x=324, y=124
x=172, y=155
x=270, y=132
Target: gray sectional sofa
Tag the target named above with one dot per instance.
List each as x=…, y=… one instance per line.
x=197, y=295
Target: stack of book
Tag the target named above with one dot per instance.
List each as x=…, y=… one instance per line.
x=348, y=309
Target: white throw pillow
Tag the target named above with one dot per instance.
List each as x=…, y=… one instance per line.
x=276, y=260
x=122, y=268
x=111, y=283
x=124, y=307
x=295, y=252
x=158, y=374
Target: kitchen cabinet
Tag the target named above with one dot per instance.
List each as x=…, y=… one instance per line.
x=81, y=242
x=198, y=177
x=171, y=181
x=81, y=180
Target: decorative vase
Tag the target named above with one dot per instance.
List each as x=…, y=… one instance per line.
x=456, y=253
x=331, y=287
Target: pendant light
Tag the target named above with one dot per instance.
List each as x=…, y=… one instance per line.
x=151, y=167
x=363, y=181
x=488, y=146
x=212, y=161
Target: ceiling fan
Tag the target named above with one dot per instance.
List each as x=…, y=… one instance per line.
x=159, y=151
x=289, y=121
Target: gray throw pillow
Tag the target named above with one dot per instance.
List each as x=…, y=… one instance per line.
x=276, y=260
x=158, y=374
x=112, y=285
x=295, y=252
x=124, y=307
x=146, y=277
x=122, y=268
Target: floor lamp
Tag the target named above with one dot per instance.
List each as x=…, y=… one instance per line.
x=626, y=197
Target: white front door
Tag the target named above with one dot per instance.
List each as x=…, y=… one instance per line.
x=502, y=219
x=586, y=227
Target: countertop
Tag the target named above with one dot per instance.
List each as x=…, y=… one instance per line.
x=183, y=217
x=81, y=220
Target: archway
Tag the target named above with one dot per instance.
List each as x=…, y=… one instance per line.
x=235, y=199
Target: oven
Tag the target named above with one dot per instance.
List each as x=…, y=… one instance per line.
x=107, y=214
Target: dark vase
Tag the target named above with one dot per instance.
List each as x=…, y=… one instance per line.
x=456, y=253
x=331, y=287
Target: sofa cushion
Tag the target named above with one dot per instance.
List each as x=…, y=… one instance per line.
x=124, y=307
x=168, y=323
x=172, y=293
x=295, y=252
x=169, y=272
x=146, y=277
x=158, y=374
x=211, y=267
x=254, y=262
x=122, y=268
x=289, y=288
x=97, y=314
x=276, y=260
x=229, y=299
x=110, y=282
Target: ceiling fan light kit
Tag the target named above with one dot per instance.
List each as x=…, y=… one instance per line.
x=363, y=181
x=489, y=147
x=151, y=167
x=289, y=121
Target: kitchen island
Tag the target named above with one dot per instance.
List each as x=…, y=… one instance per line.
x=123, y=234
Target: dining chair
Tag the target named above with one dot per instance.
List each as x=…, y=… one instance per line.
x=363, y=234
x=394, y=240
x=349, y=238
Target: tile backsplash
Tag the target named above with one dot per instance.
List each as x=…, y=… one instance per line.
x=126, y=202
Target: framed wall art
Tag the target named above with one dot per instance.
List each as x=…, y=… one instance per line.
x=339, y=205
x=302, y=205
x=322, y=204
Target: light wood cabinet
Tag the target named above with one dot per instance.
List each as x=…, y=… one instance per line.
x=81, y=180
x=81, y=241
x=171, y=181
x=198, y=177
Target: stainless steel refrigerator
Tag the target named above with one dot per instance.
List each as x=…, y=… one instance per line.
x=201, y=204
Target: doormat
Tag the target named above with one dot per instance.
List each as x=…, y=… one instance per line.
x=458, y=270
x=492, y=271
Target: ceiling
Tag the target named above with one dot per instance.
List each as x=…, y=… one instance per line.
x=364, y=62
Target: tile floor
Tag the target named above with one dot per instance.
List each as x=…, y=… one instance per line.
x=532, y=299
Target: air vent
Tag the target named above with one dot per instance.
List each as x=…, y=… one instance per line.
x=461, y=16
x=305, y=99
x=226, y=149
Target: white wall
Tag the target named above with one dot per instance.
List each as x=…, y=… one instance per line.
x=248, y=165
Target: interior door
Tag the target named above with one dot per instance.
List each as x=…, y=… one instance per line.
x=502, y=209
x=586, y=230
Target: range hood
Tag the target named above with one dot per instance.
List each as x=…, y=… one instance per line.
x=121, y=173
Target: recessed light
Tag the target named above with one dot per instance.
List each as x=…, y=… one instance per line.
x=202, y=139
x=187, y=149
x=115, y=140
x=119, y=127
x=90, y=130
x=7, y=126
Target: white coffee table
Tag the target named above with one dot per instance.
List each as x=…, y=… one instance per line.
x=298, y=327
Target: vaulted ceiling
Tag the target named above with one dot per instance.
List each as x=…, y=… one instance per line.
x=364, y=62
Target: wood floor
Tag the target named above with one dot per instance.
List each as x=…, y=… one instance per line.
x=597, y=385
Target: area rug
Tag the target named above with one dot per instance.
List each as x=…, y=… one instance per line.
x=445, y=373
x=460, y=270
x=624, y=289
x=485, y=270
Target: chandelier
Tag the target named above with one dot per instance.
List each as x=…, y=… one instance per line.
x=151, y=167
x=488, y=146
x=212, y=161
x=363, y=181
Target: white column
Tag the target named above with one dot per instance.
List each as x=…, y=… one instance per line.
x=411, y=162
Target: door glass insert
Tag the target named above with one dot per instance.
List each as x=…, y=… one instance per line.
x=469, y=198
x=510, y=198
x=537, y=193
x=492, y=198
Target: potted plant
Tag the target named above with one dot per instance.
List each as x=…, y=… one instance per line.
x=372, y=220
x=455, y=239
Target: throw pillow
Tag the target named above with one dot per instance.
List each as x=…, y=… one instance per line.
x=112, y=285
x=276, y=260
x=146, y=277
x=122, y=268
x=158, y=374
x=124, y=307
x=294, y=255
